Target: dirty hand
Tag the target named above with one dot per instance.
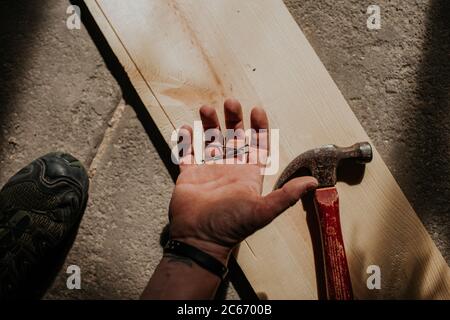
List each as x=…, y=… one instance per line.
x=214, y=205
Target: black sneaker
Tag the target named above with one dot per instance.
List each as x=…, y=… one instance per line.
x=41, y=207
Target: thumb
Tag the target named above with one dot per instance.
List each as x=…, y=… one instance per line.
x=279, y=200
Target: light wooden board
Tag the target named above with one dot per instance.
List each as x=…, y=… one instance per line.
x=185, y=53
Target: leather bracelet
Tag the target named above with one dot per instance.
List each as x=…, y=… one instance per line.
x=203, y=259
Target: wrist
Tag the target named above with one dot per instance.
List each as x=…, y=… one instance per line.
x=180, y=278
x=219, y=252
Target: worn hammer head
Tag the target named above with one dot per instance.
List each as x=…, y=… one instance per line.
x=322, y=162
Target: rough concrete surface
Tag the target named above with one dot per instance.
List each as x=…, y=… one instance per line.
x=57, y=93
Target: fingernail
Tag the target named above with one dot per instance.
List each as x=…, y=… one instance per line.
x=312, y=186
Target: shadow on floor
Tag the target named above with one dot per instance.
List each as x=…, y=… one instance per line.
x=428, y=127
x=128, y=91
x=19, y=21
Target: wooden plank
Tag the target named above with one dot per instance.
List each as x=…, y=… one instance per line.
x=180, y=54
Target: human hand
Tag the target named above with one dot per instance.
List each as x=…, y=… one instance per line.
x=215, y=206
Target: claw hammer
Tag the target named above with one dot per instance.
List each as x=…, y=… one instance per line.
x=322, y=163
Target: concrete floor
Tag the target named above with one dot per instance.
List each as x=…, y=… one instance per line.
x=56, y=92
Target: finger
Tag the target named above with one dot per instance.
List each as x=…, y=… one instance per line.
x=185, y=148
x=233, y=114
x=235, y=136
x=259, y=146
x=258, y=119
x=279, y=200
x=260, y=123
x=209, y=118
x=213, y=135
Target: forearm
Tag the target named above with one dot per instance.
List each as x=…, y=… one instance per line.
x=178, y=278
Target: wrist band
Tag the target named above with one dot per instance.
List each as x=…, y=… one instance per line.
x=203, y=259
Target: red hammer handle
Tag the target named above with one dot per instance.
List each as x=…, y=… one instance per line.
x=337, y=275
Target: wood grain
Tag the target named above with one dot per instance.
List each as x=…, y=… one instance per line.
x=182, y=54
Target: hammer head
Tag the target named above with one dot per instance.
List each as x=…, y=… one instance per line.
x=322, y=162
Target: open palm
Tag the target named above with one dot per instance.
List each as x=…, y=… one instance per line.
x=216, y=205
